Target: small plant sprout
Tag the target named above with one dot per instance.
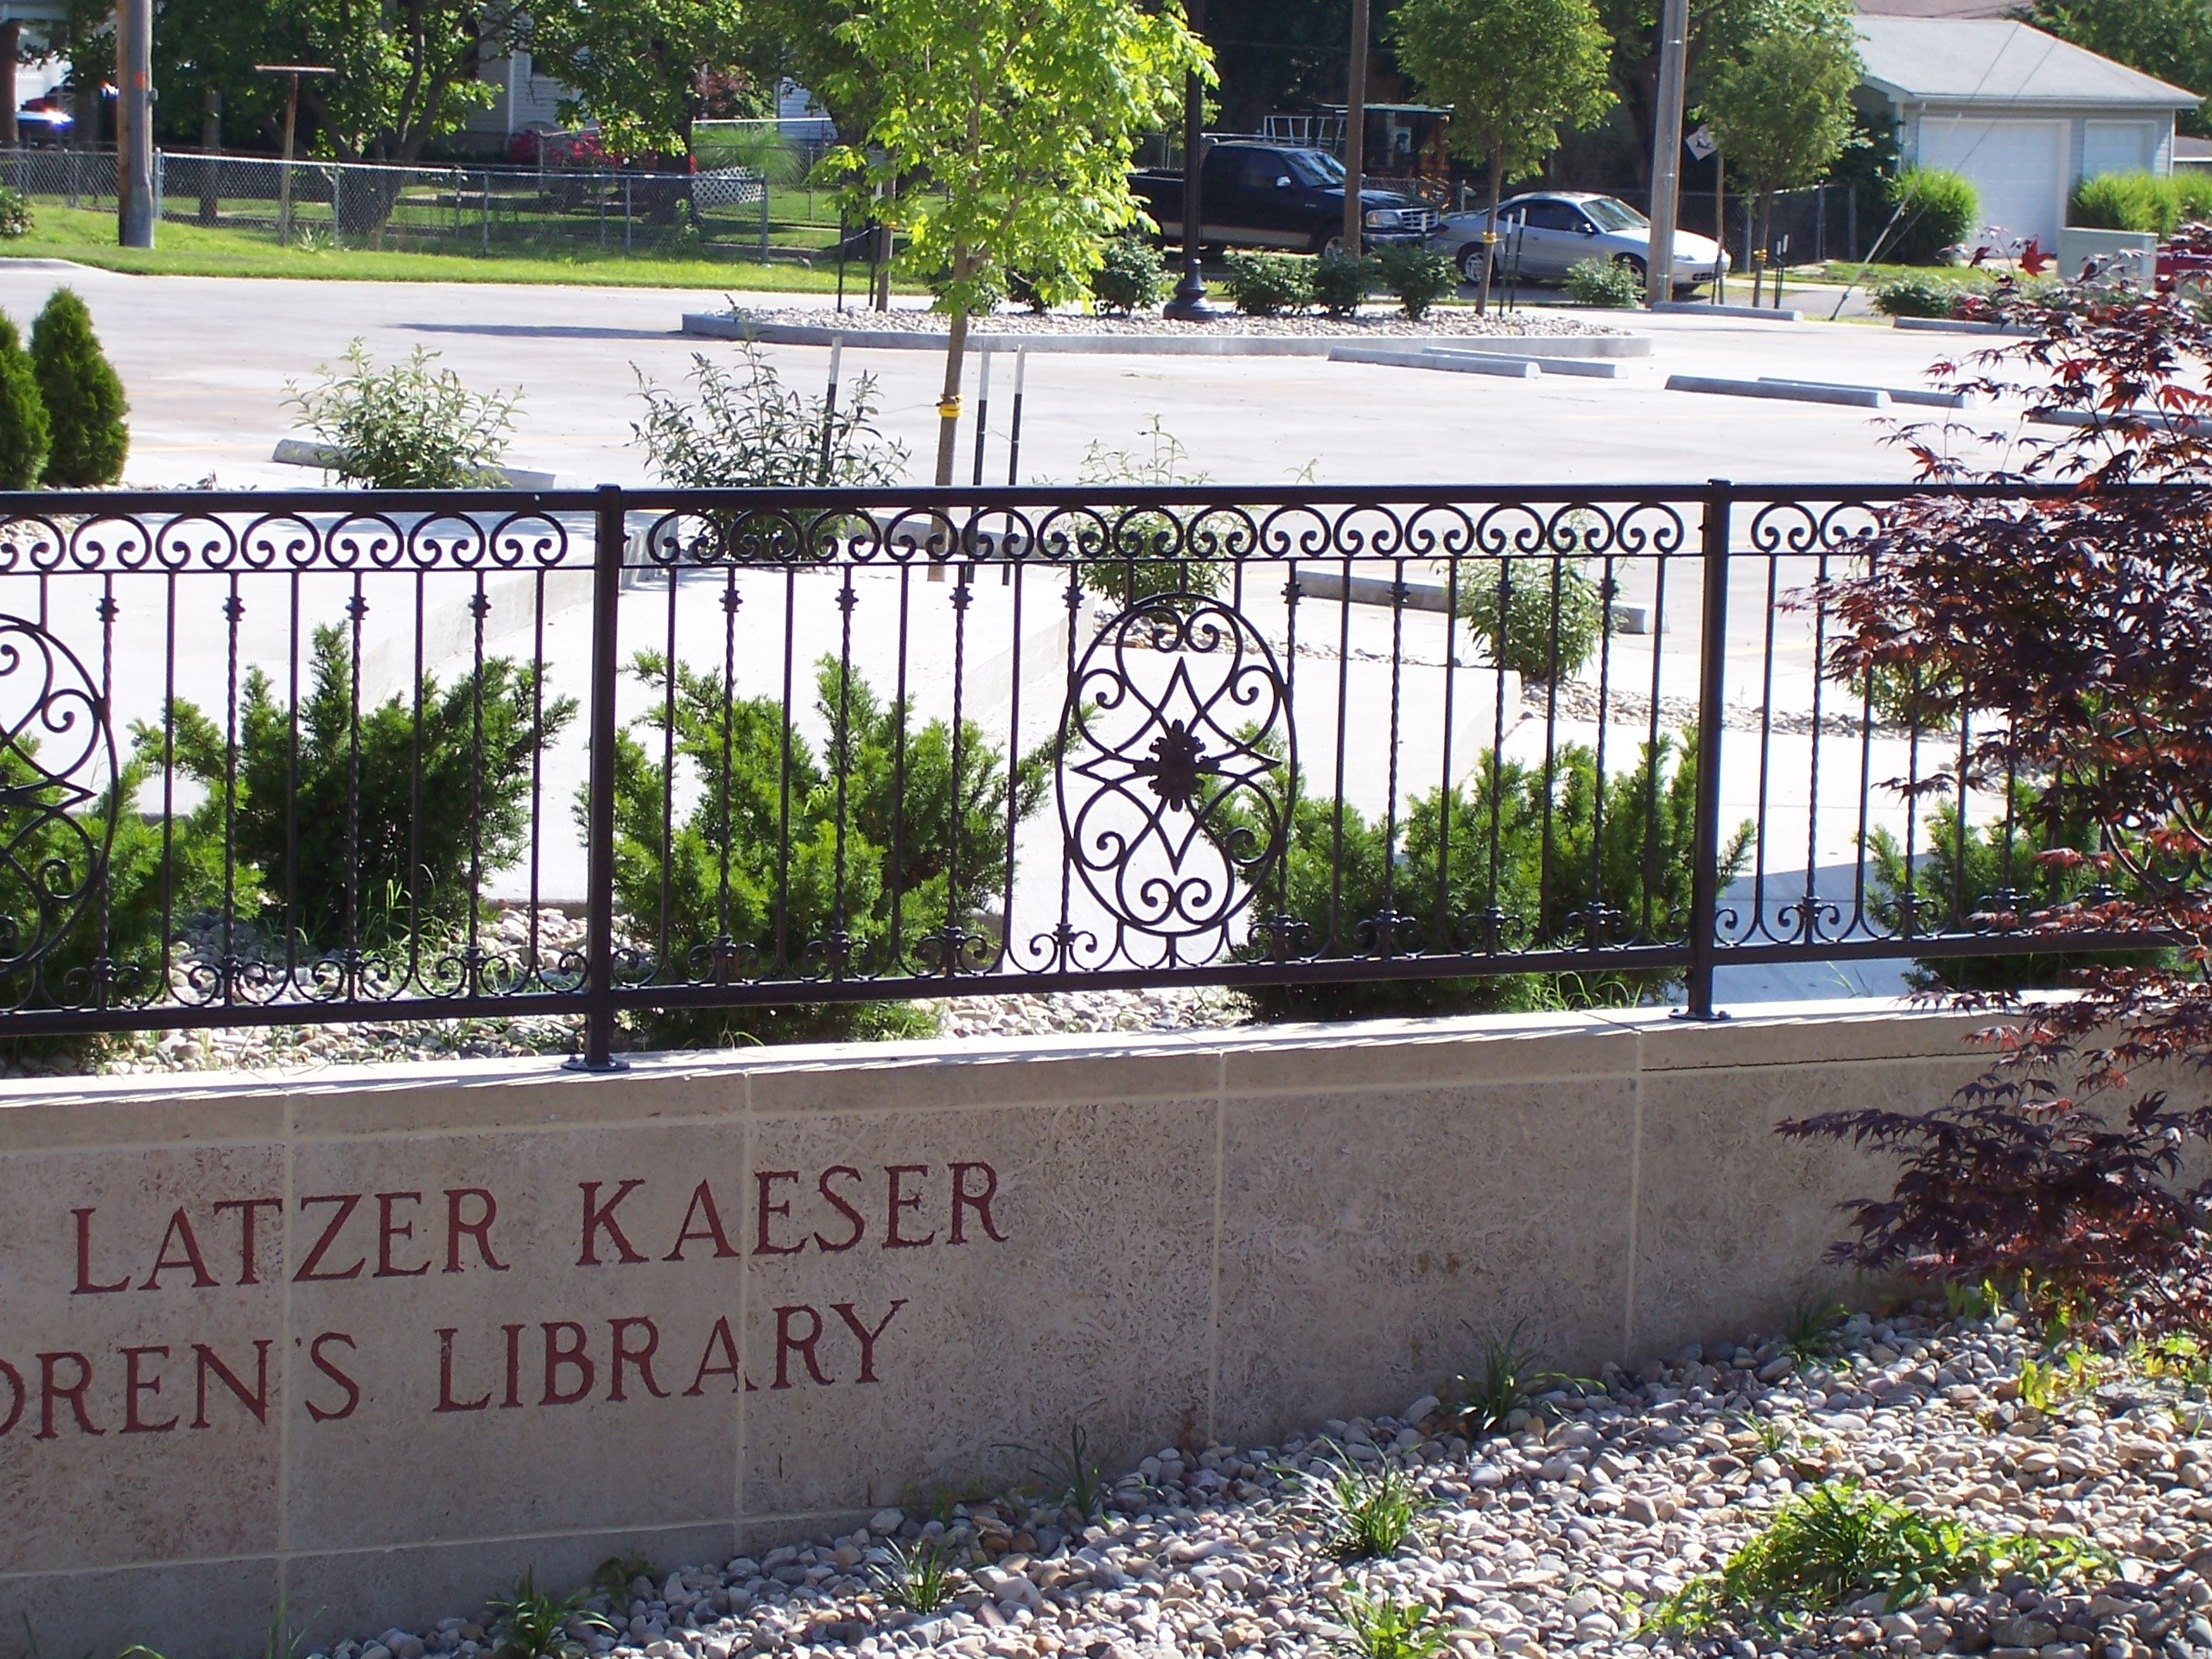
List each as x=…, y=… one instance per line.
x=2046, y=1385
x=1971, y=1302
x=1508, y=1380
x=1072, y=1475
x=919, y=1578
x=2178, y=1356
x=1363, y=1514
x=618, y=1573
x=1838, y=1542
x=1774, y=1437
x=1380, y=1626
x=532, y=1624
x=1809, y=1334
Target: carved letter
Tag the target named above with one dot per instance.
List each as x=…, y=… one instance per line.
x=85, y=1284
x=247, y=1275
x=133, y=1386
x=330, y=1371
x=207, y=1360
x=640, y=1358
x=787, y=1345
x=556, y=1356
x=702, y=1205
x=15, y=1397
x=480, y=1230
x=964, y=1200
x=180, y=1229
x=308, y=1272
x=764, y=1178
x=860, y=1222
x=446, y=1401
x=514, y=1367
x=388, y=1230
x=719, y=1338
x=599, y=1217
x=867, y=1338
x=50, y=1389
x=901, y=1201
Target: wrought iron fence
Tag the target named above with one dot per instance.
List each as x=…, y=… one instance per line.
x=694, y=761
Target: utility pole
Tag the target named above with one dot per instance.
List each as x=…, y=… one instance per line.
x=12, y=45
x=134, y=124
x=1667, y=153
x=1356, y=131
x=1189, y=302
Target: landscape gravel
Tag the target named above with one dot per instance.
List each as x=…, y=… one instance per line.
x=1372, y=322
x=1542, y=1541
x=559, y=936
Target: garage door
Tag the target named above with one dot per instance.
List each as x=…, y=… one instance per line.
x=2018, y=167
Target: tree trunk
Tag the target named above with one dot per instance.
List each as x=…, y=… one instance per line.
x=948, y=408
x=1494, y=239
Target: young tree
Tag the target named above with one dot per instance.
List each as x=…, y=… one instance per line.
x=83, y=399
x=637, y=68
x=1779, y=105
x=1022, y=116
x=2075, y=628
x=1514, y=72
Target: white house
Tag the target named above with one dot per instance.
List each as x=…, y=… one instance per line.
x=2023, y=114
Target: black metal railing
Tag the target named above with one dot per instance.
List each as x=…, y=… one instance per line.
x=703, y=761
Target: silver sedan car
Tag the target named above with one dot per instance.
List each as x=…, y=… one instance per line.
x=1550, y=232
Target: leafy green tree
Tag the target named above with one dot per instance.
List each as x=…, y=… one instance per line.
x=1780, y=106
x=805, y=40
x=408, y=71
x=25, y=433
x=2171, y=39
x=83, y=399
x=377, y=824
x=639, y=68
x=1022, y=115
x=1514, y=72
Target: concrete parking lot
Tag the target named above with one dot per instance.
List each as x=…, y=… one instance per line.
x=207, y=362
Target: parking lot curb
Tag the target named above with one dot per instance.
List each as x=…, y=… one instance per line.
x=713, y=326
x=1798, y=391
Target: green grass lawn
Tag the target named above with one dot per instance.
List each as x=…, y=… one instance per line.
x=87, y=236
x=1843, y=271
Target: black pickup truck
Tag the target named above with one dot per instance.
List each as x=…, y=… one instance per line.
x=1256, y=195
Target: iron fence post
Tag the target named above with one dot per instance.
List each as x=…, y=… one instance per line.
x=611, y=533
x=1711, y=714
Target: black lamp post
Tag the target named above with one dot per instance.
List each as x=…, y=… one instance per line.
x=1189, y=303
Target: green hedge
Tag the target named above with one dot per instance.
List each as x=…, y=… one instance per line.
x=2141, y=201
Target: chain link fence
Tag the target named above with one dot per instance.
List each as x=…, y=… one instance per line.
x=469, y=209
x=62, y=178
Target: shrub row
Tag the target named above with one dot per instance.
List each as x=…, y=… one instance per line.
x=2142, y=201
x=61, y=405
x=1268, y=285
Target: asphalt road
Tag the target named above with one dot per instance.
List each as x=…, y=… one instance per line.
x=207, y=362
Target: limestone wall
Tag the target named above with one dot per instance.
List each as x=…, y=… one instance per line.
x=377, y=1341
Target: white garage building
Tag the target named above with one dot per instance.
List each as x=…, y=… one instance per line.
x=2023, y=114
